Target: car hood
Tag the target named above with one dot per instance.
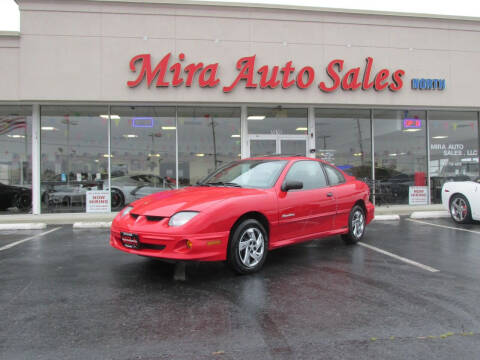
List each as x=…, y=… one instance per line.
x=198, y=198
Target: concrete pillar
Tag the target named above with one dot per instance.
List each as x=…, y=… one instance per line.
x=311, y=132
x=245, y=143
x=36, y=132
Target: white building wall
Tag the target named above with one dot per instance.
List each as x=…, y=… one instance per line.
x=80, y=51
x=9, y=66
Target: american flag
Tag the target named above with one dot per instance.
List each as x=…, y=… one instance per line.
x=10, y=123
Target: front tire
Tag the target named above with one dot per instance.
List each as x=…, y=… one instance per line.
x=356, y=226
x=24, y=202
x=460, y=210
x=117, y=200
x=248, y=247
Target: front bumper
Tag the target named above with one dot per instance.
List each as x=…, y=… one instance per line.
x=204, y=247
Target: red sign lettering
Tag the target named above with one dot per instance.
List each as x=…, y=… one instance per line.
x=166, y=75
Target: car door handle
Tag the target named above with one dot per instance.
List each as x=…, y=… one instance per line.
x=329, y=194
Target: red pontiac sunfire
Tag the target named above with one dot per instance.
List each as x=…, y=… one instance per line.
x=243, y=210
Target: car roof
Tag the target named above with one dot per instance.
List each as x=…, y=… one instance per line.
x=295, y=157
x=283, y=157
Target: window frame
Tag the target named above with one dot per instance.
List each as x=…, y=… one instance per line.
x=303, y=160
x=324, y=165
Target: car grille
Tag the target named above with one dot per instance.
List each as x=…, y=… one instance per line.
x=148, y=217
x=155, y=218
x=151, y=246
x=143, y=246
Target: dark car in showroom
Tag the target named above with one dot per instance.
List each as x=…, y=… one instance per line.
x=15, y=196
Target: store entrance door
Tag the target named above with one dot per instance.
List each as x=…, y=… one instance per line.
x=277, y=144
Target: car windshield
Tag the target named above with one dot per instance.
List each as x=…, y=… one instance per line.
x=260, y=174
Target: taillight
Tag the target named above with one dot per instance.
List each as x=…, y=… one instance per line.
x=446, y=190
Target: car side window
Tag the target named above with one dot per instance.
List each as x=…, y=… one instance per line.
x=335, y=177
x=309, y=172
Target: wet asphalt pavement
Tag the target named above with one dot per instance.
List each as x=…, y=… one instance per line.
x=68, y=295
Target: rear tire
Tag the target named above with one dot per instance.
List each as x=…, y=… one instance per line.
x=248, y=247
x=67, y=201
x=356, y=226
x=460, y=210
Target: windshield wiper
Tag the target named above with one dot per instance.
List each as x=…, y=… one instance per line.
x=198, y=183
x=221, y=183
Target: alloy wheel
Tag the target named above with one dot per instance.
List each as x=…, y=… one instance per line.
x=459, y=209
x=251, y=247
x=358, y=224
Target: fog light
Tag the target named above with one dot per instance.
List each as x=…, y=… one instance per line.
x=189, y=244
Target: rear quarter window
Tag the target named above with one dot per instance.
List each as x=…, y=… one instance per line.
x=335, y=177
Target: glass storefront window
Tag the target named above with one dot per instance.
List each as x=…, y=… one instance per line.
x=277, y=130
x=74, y=155
x=453, y=149
x=277, y=120
x=400, y=156
x=143, y=141
x=342, y=137
x=15, y=161
x=208, y=137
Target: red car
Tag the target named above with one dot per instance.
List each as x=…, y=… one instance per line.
x=243, y=210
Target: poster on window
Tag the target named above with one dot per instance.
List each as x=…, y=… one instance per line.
x=418, y=195
x=98, y=201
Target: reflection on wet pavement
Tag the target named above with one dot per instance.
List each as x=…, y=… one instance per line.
x=71, y=296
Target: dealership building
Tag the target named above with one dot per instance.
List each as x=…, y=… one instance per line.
x=131, y=97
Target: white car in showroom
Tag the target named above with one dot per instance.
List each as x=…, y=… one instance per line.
x=462, y=199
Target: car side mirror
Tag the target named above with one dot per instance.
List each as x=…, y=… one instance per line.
x=292, y=185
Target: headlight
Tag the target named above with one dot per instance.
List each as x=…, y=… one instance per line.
x=182, y=218
x=127, y=210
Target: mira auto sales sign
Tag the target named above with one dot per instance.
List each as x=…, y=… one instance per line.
x=177, y=72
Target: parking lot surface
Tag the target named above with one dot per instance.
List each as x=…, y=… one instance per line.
x=411, y=290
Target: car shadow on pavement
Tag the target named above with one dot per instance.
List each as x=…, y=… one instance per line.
x=280, y=261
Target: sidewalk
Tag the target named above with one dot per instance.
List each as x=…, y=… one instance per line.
x=70, y=218
x=56, y=219
x=406, y=209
